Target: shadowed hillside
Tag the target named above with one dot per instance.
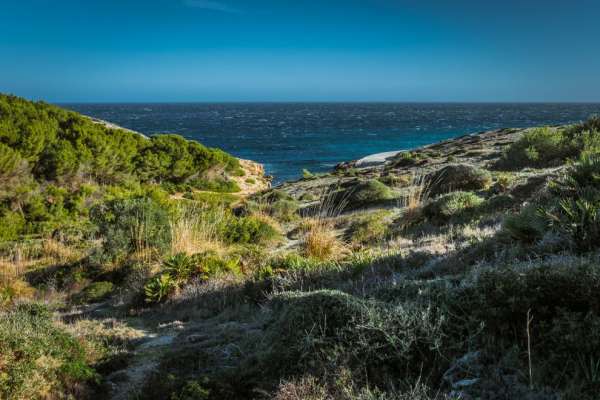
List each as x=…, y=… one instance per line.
x=134, y=267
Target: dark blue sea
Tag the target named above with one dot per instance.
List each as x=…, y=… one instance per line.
x=288, y=137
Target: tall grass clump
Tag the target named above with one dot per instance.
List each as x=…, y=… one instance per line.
x=195, y=228
x=320, y=239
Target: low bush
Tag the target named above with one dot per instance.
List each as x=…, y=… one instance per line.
x=565, y=310
x=526, y=226
x=370, y=229
x=284, y=210
x=451, y=206
x=249, y=229
x=324, y=332
x=39, y=359
x=95, y=292
x=457, y=177
x=365, y=193
x=541, y=147
x=131, y=225
x=181, y=269
x=405, y=159
x=577, y=214
x=216, y=185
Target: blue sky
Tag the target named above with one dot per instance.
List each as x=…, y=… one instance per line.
x=303, y=50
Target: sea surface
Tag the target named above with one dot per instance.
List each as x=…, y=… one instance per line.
x=290, y=137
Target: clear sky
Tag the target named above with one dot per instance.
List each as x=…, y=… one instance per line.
x=301, y=50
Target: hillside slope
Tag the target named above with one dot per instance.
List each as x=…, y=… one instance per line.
x=467, y=269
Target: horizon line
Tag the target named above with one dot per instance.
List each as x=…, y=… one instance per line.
x=91, y=102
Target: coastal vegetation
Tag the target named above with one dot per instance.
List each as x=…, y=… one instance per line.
x=134, y=267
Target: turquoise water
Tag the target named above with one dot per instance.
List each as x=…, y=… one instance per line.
x=288, y=137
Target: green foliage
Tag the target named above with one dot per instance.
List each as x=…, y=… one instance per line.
x=579, y=220
x=284, y=210
x=215, y=185
x=293, y=261
x=562, y=301
x=39, y=360
x=527, y=226
x=248, y=229
x=371, y=229
x=12, y=225
x=541, y=147
x=367, y=192
x=180, y=266
x=406, y=159
x=132, y=224
x=158, y=288
x=457, y=177
x=41, y=143
x=451, y=205
x=577, y=213
x=306, y=174
x=323, y=332
x=95, y=292
x=211, y=265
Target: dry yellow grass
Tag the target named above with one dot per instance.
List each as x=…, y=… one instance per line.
x=195, y=230
x=413, y=200
x=321, y=241
x=58, y=252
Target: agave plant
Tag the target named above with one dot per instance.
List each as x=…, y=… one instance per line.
x=159, y=288
x=180, y=266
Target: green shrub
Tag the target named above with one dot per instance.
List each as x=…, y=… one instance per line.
x=95, y=292
x=308, y=197
x=39, y=360
x=296, y=262
x=12, y=225
x=371, y=229
x=577, y=214
x=541, y=147
x=209, y=264
x=324, y=332
x=216, y=185
x=579, y=220
x=248, y=229
x=563, y=303
x=366, y=193
x=405, y=159
x=132, y=224
x=457, y=177
x=527, y=226
x=284, y=210
x=451, y=205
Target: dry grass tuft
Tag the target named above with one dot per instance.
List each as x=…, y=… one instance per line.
x=59, y=252
x=195, y=230
x=413, y=200
x=306, y=388
x=321, y=241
